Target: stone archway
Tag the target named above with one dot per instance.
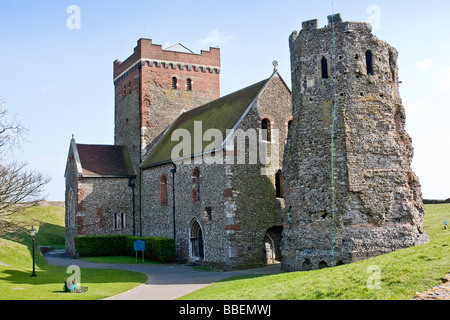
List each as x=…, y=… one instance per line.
x=269, y=253
x=196, y=245
x=272, y=245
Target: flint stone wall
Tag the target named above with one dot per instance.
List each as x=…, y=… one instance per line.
x=242, y=202
x=377, y=200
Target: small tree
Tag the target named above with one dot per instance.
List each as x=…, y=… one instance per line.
x=19, y=188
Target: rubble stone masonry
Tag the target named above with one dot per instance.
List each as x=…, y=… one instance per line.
x=343, y=72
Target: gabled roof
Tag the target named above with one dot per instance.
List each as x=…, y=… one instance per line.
x=178, y=47
x=222, y=114
x=104, y=161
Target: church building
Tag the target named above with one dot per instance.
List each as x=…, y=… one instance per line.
x=186, y=163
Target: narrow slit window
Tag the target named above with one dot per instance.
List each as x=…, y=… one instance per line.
x=163, y=191
x=369, y=62
x=279, y=185
x=174, y=83
x=196, y=190
x=265, y=127
x=189, y=84
x=324, y=66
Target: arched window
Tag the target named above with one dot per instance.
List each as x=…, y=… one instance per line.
x=174, y=83
x=196, y=185
x=324, y=67
x=265, y=127
x=369, y=62
x=189, y=84
x=163, y=190
x=289, y=124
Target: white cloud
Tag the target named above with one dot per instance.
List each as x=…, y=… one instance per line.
x=425, y=64
x=215, y=38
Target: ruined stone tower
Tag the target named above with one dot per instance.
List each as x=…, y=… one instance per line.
x=154, y=86
x=349, y=124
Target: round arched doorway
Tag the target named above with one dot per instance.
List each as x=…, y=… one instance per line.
x=197, y=251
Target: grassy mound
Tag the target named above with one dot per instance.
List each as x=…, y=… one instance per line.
x=16, y=282
x=402, y=273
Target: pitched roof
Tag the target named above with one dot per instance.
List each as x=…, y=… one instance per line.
x=104, y=160
x=221, y=114
x=178, y=47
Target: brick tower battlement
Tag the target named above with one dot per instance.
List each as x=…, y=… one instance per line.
x=154, y=86
x=343, y=72
x=147, y=53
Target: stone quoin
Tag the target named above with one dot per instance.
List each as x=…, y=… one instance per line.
x=331, y=182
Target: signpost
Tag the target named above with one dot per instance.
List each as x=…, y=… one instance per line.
x=139, y=245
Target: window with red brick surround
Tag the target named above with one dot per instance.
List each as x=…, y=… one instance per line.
x=163, y=190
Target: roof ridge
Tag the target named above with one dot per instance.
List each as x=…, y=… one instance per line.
x=230, y=109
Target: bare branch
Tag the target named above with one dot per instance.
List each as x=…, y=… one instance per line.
x=19, y=188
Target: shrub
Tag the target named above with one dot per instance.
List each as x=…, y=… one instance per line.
x=156, y=249
x=97, y=246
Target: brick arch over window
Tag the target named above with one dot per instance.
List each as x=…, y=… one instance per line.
x=189, y=84
x=265, y=124
x=196, y=185
x=174, y=83
x=163, y=190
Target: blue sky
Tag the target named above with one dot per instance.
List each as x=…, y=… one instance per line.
x=58, y=81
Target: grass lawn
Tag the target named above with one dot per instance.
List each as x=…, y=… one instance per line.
x=403, y=273
x=16, y=282
x=120, y=259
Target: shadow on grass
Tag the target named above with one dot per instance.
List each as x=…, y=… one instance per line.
x=57, y=275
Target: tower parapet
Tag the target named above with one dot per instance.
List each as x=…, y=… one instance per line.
x=154, y=86
x=347, y=164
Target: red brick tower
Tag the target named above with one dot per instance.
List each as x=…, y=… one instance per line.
x=154, y=86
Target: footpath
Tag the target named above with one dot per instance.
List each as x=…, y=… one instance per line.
x=165, y=282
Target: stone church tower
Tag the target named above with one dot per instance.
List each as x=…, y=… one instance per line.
x=350, y=192
x=154, y=86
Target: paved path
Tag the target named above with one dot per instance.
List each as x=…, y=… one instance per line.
x=166, y=282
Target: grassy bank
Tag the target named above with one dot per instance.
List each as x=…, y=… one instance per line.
x=403, y=273
x=16, y=282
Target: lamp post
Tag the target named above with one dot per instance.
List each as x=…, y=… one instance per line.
x=33, y=233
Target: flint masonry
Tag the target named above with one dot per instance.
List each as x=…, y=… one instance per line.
x=340, y=191
x=224, y=214
x=343, y=72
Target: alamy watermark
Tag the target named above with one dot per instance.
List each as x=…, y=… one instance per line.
x=374, y=281
x=75, y=278
x=375, y=16
x=73, y=22
x=237, y=147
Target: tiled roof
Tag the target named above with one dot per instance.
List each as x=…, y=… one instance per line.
x=221, y=114
x=105, y=160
